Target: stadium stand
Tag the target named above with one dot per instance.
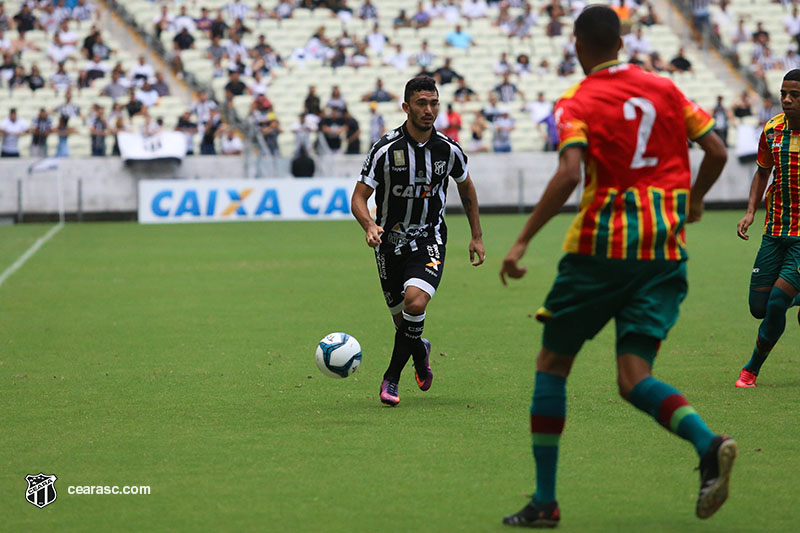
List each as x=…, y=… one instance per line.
x=327, y=49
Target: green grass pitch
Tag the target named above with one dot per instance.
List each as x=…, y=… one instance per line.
x=182, y=357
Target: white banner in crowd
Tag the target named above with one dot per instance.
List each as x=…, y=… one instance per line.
x=164, y=145
x=171, y=201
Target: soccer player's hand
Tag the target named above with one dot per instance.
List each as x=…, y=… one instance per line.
x=476, y=249
x=743, y=225
x=695, y=212
x=511, y=266
x=374, y=236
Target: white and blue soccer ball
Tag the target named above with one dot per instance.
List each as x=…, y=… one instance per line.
x=338, y=355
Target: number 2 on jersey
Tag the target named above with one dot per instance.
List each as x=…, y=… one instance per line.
x=645, y=129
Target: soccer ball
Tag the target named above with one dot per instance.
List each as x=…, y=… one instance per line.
x=338, y=355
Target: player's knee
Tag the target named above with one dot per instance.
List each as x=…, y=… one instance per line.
x=415, y=304
x=624, y=387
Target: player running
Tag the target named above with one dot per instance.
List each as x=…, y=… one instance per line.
x=775, y=281
x=626, y=253
x=408, y=168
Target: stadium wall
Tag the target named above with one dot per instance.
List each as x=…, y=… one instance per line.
x=108, y=187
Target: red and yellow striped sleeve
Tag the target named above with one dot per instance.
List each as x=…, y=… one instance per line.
x=698, y=122
x=764, y=158
x=571, y=126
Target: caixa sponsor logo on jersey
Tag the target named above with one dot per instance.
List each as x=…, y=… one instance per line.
x=415, y=191
x=249, y=203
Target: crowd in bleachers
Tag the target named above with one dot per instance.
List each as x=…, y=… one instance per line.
x=500, y=66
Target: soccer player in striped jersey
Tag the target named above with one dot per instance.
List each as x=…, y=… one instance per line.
x=408, y=169
x=775, y=281
x=625, y=251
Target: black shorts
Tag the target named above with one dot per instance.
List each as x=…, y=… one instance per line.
x=422, y=268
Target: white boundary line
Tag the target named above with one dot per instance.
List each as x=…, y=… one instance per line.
x=27, y=255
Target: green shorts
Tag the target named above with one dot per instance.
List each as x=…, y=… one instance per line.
x=777, y=257
x=642, y=296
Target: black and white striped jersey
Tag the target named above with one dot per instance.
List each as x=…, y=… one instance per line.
x=410, y=182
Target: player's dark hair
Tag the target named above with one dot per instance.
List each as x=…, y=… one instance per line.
x=420, y=83
x=792, y=75
x=598, y=27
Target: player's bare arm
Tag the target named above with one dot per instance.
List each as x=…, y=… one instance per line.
x=710, y=168
x=469, y=199
x=556, y=194
x=360, y=210
x=757, y=188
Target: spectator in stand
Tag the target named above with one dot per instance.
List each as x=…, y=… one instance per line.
x=539, y=108
x=189, y=129
x=216, y=52
x=60, y=81
x=339, y=58
x=17, y=80
x=453, y=123
x=201, y=109
x=451, y=11
x=435, y=9
x=554, y=27
x=62, y=11
x=399, y=59
x=302, y=164
x=5, y=20
x=58, y=53
x=424, y=58
x=236, y=47
x=477, y=131
x=549, y=131
x=464, y=93
x=332, y=128
x=230, y=143
x=84, y=11
x=742, y=106
x=458, y=38
x=115, y=88
x=343, y=12
x=352, y=133
x=679, y=63
x=63, y=131
x=203, y=22
x=41, y=128
x=25, y=21
x=234, y=87
x=700, y=16
x=312, y=104
x=722, y=117
x=302, y=132
x=792, y=24
x=502, y=66
x=791, y=60
x=377, y=126
x=35, y=79
x=284, y=10
x=68, y=109
x=637, y=43
x=236, y=10
x=12, y=128
x=723, y=19
x=376, y=40
x=336, y=100
x=445, y=74
x=421, y=18
x=768, y=110
x=267, y=121
x=219, y=28
x=401, y=20
x=491, y=111
x=238, y=28
x=379, y=94
x=657, y=63
x=258, y=85
x=160, y=86
x=503, y=126
x=504, y=21
x=119, y=127
x=184, y=21
x=5, y=43
x=151, y=127
x=88, y=42
x=359, y=58
x=474, y=9
x=523, y=67
x=99, y=130
x=141, y=71
x=368, y=11
x=760, y=36
x=180, y=43
x=507, y=91
x=521, y=27
x=134, y=106
x=147, y=95
x=211, y=130
x=163, y=22
x=7, y=68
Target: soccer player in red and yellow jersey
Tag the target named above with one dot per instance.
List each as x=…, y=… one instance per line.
x=775, y=281
x=625, y=251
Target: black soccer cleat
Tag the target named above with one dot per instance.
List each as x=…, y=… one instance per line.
x=715, y=475
x=534, y=516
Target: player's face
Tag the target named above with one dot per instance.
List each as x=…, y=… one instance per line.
x=790, y=98
x=422, y=109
